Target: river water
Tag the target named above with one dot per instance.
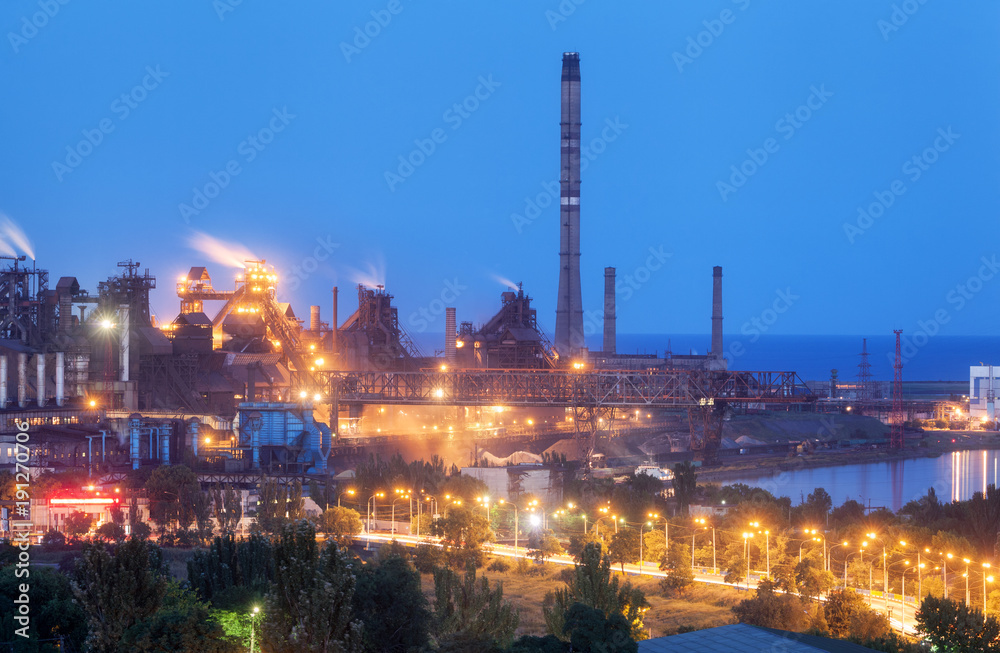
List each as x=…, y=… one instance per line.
x=954, y=476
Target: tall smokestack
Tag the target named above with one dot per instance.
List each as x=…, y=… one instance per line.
x=333, y=323
x=450, y=349
x=569, y=307
x=40, y=380
x=717, y=311
x=609, y=311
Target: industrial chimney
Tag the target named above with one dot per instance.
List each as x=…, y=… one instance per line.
x=717, y=311
x=569, y=307
x=314, y=320
x=334, y=324
x=609, y=311
x=450, y=348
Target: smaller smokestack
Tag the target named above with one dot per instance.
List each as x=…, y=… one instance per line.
x=717, y=311
x=314, y=319
x=450, y=350
x=334, y=324
x=40, y=380
x=22, y=380
x=60, y=377
x=610, y=333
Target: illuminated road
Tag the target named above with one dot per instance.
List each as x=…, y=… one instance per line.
x=647, y=569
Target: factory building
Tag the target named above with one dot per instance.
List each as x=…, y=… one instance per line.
x=983, y=388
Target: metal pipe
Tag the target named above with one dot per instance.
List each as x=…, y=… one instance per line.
x=22, y=380
x=134, y=426
x=60, y=378
x=40, y=380
x=3, y=381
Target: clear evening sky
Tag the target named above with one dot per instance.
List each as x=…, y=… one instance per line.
x=405, y=155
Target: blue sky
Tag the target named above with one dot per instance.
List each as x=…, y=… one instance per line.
x=315, y=197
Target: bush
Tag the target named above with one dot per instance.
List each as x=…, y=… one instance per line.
x=53, y=540
x=427, y=557
x=499, y=564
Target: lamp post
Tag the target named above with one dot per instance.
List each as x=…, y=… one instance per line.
x=666, y=530
x=642, y=527
x=902, y=618
x=399, y=498
x=767, y=546
x=966, y=574
x=514, y=506
x=253, y=627
x=885, y=573
x=373, y=509
x=844, y=543
x=986, y=566
x=818, y=533
x=350, y=492
x=746, y=554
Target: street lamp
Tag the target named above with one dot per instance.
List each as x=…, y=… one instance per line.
x=642, y=527
x=373, y=509
x=485, y=502
x=399, y=498
x=349, y=492
x=844, y=543
x=986, y=578
x=826, y=566
x=253, y=627
x=666, y=530
x=746, y=554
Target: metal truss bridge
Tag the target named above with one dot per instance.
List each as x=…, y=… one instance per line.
x=558, y=388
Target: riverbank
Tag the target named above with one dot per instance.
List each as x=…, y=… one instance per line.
x=933, y=444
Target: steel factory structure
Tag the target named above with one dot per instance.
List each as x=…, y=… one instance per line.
x=240, y=384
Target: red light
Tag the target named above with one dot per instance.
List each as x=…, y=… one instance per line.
x=88, y=501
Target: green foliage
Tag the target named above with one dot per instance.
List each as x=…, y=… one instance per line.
x=342, y=524
x=310, y=605
x=465, y=487
x=426, y=557
x=624, y=547
x=533, y=644
x=499, y=565
x=685, y=484
x=593, y=586
x=182, y=624
x=848, y=615
x=228, y=507
x=388, y=601
x=769, y=609
x=272, y=506
x=137, y=528
x=953, y=626
x=470, y=613
x=736, y=570
x=78, y=523
x=232, y=573
x=171, y=491
x=53, y=539
x=464, y=531
x=542, y=545
x=8, y=488
x=812, y=580
x=579, y=541
x=677, y=564
x=589, y=630
x=53, y=610
x=118, y=591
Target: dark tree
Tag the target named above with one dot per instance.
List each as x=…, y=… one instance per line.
x=388, y=601
x=182, y=624
x=952, y=626
x=624, y=547
x=471, y=614
x=685, y=484
x=118, y=591
x=589, y=630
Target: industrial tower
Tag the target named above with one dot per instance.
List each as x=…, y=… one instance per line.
x=897, y=418
x=866, y=391
x=569, y=307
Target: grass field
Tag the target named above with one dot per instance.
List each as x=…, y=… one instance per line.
x=702, y=606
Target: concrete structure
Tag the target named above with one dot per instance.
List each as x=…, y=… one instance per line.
x=610, y=325
x=569, y=306
x=983, y=388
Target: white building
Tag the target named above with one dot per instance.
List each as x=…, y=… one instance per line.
x=984, y=386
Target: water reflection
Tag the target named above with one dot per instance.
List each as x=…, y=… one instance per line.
x=955, y=477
